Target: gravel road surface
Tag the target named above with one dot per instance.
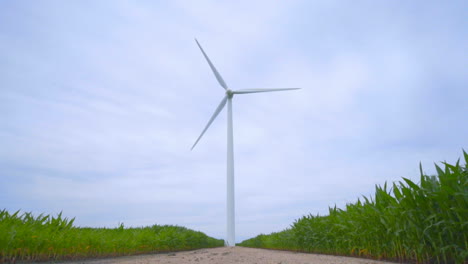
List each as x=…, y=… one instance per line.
x=230, y=255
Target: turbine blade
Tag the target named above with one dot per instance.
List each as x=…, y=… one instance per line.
x=247, y=91
x=216, y=73
x=220, y=107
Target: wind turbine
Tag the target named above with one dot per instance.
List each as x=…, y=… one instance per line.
x=230, y=240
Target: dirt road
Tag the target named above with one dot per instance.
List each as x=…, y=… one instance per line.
x=230, y=255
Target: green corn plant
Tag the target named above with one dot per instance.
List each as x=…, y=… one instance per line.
x=425, y=222
x=26, y=238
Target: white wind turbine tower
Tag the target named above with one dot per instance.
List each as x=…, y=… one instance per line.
x=230, y=240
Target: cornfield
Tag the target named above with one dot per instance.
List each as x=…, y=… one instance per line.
x=24, y=238
x=409, y=222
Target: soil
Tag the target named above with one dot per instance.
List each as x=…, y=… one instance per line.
x=230, y=255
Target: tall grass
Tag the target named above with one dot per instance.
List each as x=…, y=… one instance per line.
x=24, y=237
x=423, y=223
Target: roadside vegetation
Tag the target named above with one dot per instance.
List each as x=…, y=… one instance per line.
x=408, y=222
x=26, y=238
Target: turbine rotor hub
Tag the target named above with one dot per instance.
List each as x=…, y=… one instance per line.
x=229, y=93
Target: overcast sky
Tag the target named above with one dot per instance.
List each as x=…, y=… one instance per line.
x=100, y=102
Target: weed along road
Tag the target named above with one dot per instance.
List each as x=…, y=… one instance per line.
x=230, y=255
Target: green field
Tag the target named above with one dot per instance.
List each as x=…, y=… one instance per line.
x=424, y=223
x=24, y=237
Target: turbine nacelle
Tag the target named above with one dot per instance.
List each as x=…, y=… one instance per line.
x=229, y=93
